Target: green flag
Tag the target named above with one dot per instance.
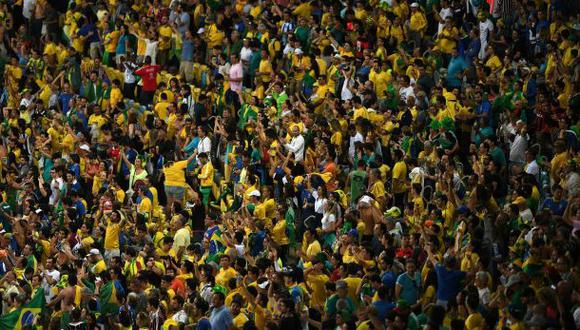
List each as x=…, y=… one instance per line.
x=26, y=315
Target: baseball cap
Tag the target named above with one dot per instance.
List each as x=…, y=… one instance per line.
x=254, y=193
x=414, y=5
x=94, y=252
x=298, y=51
x=341, y=284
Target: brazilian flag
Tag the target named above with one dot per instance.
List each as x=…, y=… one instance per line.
x=26, y=315
x=108, y=301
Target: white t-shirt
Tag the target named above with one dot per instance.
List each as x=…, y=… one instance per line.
x=56, y=185
x=319, y=202
x=296, y=146
x=485, y=28
x=28, y=8
x=288, y=49
x=518, y=149
x=444, y=13
x=405, y=92
x=204, y=145
x=484, y=295
x=245, y=54
x=180, y=317
x=151, y=49
x=224, y=70
x=55, y=275
x=533, y=168
x=357, y=138
x=345, y=93
x=327, y=220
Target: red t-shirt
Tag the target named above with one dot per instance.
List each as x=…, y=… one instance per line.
x=148, y=75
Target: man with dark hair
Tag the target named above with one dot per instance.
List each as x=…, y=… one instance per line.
x=399, y=179
x=156, y=316
x=148, y=74
x=221, y=317
x=179, y=314
x=206, y=178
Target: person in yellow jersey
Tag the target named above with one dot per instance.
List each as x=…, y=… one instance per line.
x=145, y=206
x=96, y=261
x=182, y=237
x=165, y=33
x=399, y=177
x=240, y=317
x=225, y=272
x=315, y=280
x=448, y=37
x=175, y=183
x=206, y=177
x=113, y=225
x=417, y=24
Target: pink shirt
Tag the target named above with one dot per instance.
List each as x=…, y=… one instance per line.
x=236, y=72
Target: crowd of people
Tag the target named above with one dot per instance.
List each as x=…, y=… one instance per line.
x=290, y=164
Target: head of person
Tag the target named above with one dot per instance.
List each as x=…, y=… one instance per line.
x=225, y=261
x=217, y=299
x=203, y=158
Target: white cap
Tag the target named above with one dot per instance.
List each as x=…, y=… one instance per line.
x=365, y=200
x=298, y=51
x=254, y=193
x=85, y=147
x=414, y=5
x=94, y=252
x=200, y=30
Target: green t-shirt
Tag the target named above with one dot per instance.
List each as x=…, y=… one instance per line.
x=330, y=306
x=302, y=34
x=280, y=99
x=290, y=228
x=357, y=184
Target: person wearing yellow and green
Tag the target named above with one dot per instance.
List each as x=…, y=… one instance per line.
x=206, y=178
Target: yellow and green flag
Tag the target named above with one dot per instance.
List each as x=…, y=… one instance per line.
x=108, y=297
x=26, y=315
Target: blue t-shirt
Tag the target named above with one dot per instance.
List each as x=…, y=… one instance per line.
x=448, y=283
x=410, y=286
x=86, y=29
x=485, y=108
x=187, y=50
x=63, y=101
x=296, y=294
x=221, y=318
x=456, y=65
x=557, y=208
x=389, y=278
x=121, y=44
x=81, y=209
x=383, y=307
x=203, y=324
x=131, y=156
